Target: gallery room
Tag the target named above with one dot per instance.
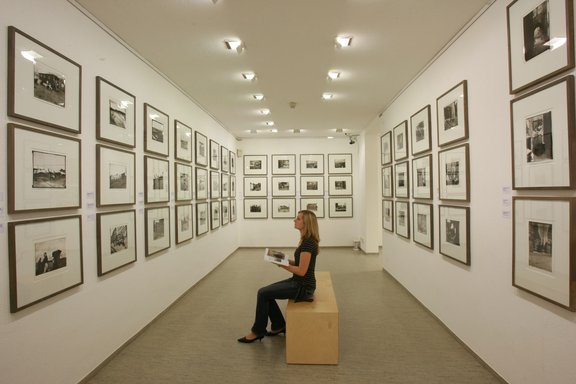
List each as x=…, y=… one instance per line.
x=155, y=149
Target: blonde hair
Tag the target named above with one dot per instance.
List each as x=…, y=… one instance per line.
x=310, y=226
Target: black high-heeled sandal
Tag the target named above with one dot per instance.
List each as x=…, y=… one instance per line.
x=248, y=341
x=276, y=333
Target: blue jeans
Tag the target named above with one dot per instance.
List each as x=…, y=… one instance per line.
x=266, y=306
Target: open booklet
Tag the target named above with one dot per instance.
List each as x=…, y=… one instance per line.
x=275, y=257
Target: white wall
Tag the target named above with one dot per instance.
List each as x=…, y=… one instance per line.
x=280, y=232
x=62, y=339
x=523, y=338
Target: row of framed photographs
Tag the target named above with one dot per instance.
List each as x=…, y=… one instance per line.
x=285, y=208
x=313, y=164
x=285, y=186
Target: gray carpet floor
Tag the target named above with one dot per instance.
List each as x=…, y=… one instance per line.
x=386, y=336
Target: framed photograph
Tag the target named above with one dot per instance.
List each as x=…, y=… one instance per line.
x=312, y=185
x=116, y=246
x=115, y=114
x=453, y=173
x=45, y=259
x=201, y=183
x=214, y=184
x=225, y=186
x=315, y=205
x=388, y=215
x=340, y=207
x=201, y=152
x=312, y=164
x=422, y=179
x=233, y=213
x=452, y=113
x=214, y=155
x=402, y=216
x=339, y=163
x=44, y=86
x=225, y=212
x=540, y=41
x=255, y=164
x=255, y=186
x=115, y=176
x=283, y=164
x=283, y=208
x=202, y=225
x=454, y=227
x=543, y=254
x=214, y=215
x=183, y=181
x=420, y=129
x=43, y=170
x=157, y=180
x=232, y=162
x=283, y=186
x=233, y=186
x=386, y=148
x=156, y=131
x=184, y=223
x=157, y=230
x=182, y=142
x=255, y=208
x=402, y=177
x=340, y=185
x=542, y=125
x=401, y=141
x=423, y=224
x=225, y=159
x=387, y=182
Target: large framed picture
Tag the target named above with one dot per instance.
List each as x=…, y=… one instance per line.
x=454, y=232
x=283, y=208
x=157, y=230
x=402, y=216
x=224, y=159
x=214, y=215
x=115, y=114
x=401, y=141
x=255, y=186
x=202, y=225
x=340, y=185
x=423, y=224
x=45, y=259
x=540, y=40
x=157, y=186
x=453, y=173
x=340, y=207
x=388, y=215
x=283, y=164
x=255, y=208
x=116, y=242
x=283, y=186
x=315, y=205
x=233, y=212
x=183, y=181
x=44, y=86
x=420, y=129
x=115, y=176
x=312, y=185
x=542, y=125
x=182, y=142
x=43, y=170
x=339, y=163
x=156, y=131
x=214, y=155
x=232, y=186
x=387, y=182
x=214, y=184
x=386, y=148
x=184, y=223
x=201, y=183
x=232, y=162
x=402, y=177
x=225, y=212
x=452, y=114
x=543, y=257
x=422, y=177
x=312, y=164
x=225, y=185
x=255, y=164
x=201, y=149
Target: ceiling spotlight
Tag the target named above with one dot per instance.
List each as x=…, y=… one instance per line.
x=352, y=138
x=235, y=45
x=258, y=96
x=327, y=96
x=343, y=41
x=269, y=123
x=273, y=130
x=265, y=111
x=333, y=75
x=249, y=75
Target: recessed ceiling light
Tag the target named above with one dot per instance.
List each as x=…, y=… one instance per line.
x=265, y=111
x=269, y=123
x=258, y=96
x=333, y=75
x=330, y=137
x=343, y=41
x=249, y=75
x=273, y=130
x=234, y=45
x=327, y=96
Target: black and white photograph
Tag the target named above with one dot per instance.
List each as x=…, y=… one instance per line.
x=202, y=215
x=340, y=207
x=201, y=149
x=339, y=163
x=224, y=159
x=232, y=162
x=400, y=133
x=402, y=178
x=283, y=208
x=115, y=183
x=387, y=182
x=315, y=205
x=157, y=180
x=215, y=215
x=422, y=177
x=312, y=164
x=183, y=181
x=454, y=175
x=402, y=215
x=255, y=208
x=215, y=185
x=225, y=186
x=184, y=223
x=386, y=148
x=255, y=186
x=540, y=245
x=536, y=28
x=182, y=142
x=255, y=164
x=115, y=114
x=388, y=215
x=156, y=135
x=201, y=183
x=225, y=208
x=283, y=164
x=423, y=228
x=116, y=240
x=340, y=185
x=283, y=186
x=312, y=185
x=157, y=230
x=214, y=155
x=420, y=129
x=452, y=114
x=48, y=170
x=233, y=213
x=454, y=232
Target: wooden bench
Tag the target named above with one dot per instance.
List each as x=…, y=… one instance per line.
x=312, y=327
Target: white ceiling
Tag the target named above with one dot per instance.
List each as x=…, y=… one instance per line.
x=290, y=46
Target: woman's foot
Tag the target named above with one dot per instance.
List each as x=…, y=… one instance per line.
x=250, y=338
x=276, y=333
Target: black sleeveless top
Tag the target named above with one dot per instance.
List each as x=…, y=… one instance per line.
x=307, y=245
